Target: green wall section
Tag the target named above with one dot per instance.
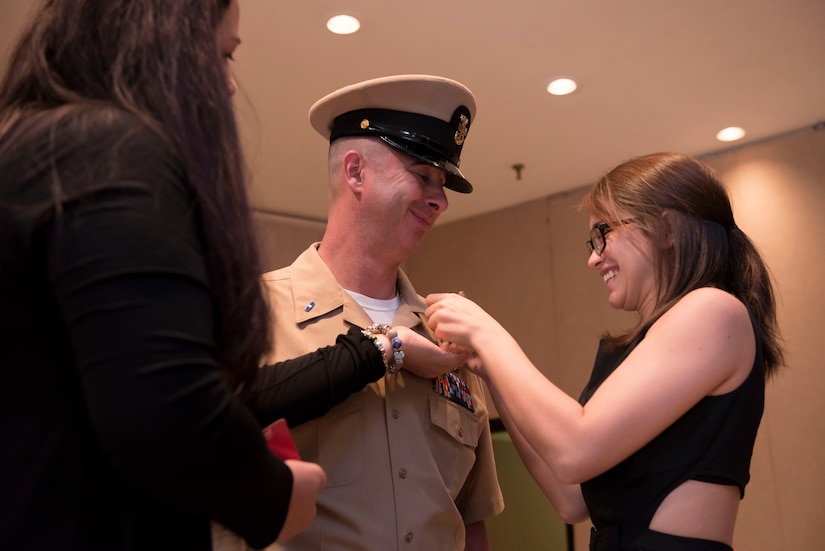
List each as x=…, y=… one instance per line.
x=529, y=522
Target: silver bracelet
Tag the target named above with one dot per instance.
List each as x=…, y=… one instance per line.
x=396, y=361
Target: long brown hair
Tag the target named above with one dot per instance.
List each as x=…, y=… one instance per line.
x=159, y=60
x=685, y=213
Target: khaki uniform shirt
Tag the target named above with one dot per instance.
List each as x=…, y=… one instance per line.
x=406, y=467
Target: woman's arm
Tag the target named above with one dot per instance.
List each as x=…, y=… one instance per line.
x=566, y=499
x=702, y=345
x=307, y=387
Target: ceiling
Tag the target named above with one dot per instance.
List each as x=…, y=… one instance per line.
x=653, y=75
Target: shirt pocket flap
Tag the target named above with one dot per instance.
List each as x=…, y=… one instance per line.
x=457, y=421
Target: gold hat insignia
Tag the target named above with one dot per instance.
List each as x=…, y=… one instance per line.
x=463, y=128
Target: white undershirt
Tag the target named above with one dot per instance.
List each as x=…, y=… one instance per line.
x=379, y=310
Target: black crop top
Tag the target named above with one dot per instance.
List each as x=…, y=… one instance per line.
x=712, y=442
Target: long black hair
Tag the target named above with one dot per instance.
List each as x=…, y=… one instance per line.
x=159, y=60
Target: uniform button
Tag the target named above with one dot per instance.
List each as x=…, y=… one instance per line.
x=461, y=432
x=408, y=537
x=395, y=414
x=402, y=473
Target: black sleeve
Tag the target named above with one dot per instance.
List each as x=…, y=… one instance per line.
x=128, y=271
x=309, y=386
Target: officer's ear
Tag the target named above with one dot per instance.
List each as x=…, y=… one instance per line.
x=352, y=164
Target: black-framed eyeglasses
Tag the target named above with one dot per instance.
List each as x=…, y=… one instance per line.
x=597, y=241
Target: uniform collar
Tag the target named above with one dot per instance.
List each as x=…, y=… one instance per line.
x=316, y=293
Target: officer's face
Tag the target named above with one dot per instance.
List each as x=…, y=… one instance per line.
x=413, y=198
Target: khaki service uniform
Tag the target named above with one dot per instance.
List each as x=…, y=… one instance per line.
x=406, y=467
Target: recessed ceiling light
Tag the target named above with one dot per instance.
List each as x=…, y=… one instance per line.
x=343, y=24
x=562, y=86
x=730, y=134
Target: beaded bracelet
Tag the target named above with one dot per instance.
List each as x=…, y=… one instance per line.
x=397, y=360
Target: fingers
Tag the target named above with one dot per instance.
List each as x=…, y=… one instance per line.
x=432, y=298
x=307, y=480
x=434, y=303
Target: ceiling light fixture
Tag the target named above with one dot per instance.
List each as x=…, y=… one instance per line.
x=562, y=86
x=343, y=24
x=730, y=134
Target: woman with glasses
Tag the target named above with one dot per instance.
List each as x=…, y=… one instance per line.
x=656, y=451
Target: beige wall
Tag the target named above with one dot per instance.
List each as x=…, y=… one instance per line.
x=526, y=265
x=282, y=238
